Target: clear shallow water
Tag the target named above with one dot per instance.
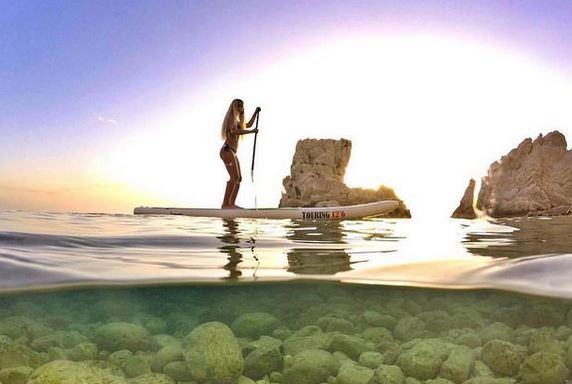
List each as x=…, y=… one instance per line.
x=40, y=250
x=303, y=333
x=433, y=300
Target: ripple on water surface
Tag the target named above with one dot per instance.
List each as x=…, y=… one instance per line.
x=39, y=250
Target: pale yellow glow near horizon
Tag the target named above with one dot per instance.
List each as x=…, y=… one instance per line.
x=424, y=114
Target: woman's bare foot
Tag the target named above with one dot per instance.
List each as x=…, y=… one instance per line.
x=230, y=207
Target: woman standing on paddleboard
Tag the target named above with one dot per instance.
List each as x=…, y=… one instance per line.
x=232, y=127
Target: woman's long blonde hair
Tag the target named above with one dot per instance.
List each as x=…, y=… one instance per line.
x=233, y=116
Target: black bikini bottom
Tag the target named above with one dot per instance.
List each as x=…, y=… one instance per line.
x=226, y=147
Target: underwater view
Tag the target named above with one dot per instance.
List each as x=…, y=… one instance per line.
x=96, y=298
x=264, y=192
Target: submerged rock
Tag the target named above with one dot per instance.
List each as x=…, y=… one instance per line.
x=266, y=342
x=333, y=324
x=294, y=344
x=352, y=346
x=136, y=366
x=178, y=370
x=214, y=354
x=254, y=325
x=69, y=372
x=83, y=351
x=422, y=362
x=490, y=380
x=389, y=350
x=18, y=355
x=118, y=336
x=410, y=328
x=376, y=319
x=17, y=375
x=388, y=374
x=317, y=174
x=247, y=380
x=465, y=336
x=5, y=343
x=312, y=366
x=377, y=335
x=119, y=357
x=458, y=365
x=436, y=321
x=544, y=368
x=165, y=356
x=371, y=359
x=496, y=331
x=262, y=361
x=351, y=373
x=533, y=178
x=544, y=340
x=15, y=326
x=502, y=357
x=439, y=380
x=152, y=378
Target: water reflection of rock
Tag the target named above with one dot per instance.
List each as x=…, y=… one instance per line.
x=232, y=241
x=523, y=237
x=314, y=258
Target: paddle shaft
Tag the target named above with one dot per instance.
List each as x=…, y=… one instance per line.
x=254, y=150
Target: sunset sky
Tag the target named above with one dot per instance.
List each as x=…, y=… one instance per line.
x=107, y=105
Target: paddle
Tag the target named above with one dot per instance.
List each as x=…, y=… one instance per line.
x=254, y=150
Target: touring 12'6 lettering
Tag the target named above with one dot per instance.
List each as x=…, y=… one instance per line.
x=323, y=215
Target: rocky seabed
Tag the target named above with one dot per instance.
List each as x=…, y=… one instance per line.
x=285, y=335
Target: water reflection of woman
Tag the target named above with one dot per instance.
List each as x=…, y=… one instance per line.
x=231, y=239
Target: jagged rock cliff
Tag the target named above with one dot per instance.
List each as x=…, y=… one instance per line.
x=534, y=178
x=465, y=209
x=317, y=178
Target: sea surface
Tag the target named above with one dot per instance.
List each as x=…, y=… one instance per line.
x=106, y=294
x=43, y=250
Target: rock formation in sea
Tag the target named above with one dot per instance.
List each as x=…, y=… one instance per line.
x=317, y=178
x=533, y=179
x=465, y=209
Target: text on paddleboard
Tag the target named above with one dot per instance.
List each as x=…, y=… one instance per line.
x=316, y=215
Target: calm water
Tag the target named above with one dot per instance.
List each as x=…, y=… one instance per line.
x=39, y=250
x=96, y=298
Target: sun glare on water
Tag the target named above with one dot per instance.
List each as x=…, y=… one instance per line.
x=424, y=114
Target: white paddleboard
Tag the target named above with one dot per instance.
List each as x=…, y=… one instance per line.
x=300, y=213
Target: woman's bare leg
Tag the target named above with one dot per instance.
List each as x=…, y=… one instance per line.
x=231, y=163
x=232, y=199
x=227, y=194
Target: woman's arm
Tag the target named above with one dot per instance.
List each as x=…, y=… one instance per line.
x=249, y=124
x=247, y=131
x=238, y=131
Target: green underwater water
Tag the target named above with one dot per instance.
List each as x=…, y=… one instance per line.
x=241, y=302
x=289, y=333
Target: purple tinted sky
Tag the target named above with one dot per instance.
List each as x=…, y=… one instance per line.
x=63, y=63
